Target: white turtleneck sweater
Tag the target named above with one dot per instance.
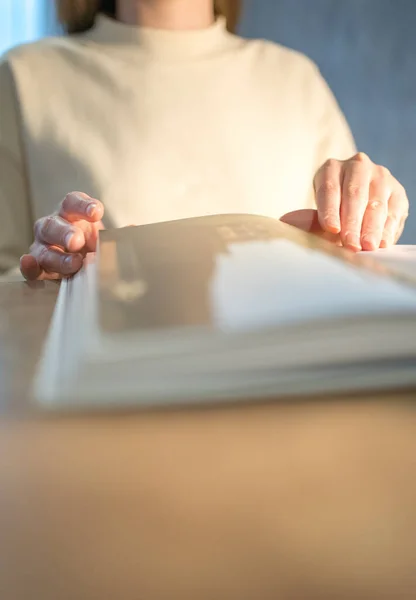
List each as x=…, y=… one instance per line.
x=160, y=125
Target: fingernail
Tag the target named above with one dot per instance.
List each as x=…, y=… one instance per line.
x=352, y=241
x=332, y=224
x=68, y=239
x=369, y=242
x=91, y=208
x=67, y=263
x=386, y=242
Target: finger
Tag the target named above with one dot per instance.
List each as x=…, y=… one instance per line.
x=91, y=232
x=57, y=231
x=354, y=200
x=327, y=185
x=400, y=229
x=376, y=212
x=76, y=206
x=29, y=267
x=31, y=270
x=55, y=260
x=398, y=209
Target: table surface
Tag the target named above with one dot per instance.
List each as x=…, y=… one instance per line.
x=288, y=500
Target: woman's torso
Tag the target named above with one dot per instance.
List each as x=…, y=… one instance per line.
x=159, y=136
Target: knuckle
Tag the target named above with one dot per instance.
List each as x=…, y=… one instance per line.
x=361, y=157
x=354, y=191
x=330, y=163
x=71, y=201
x=67, y=201
x=38, y=228
x=393, y=218
x=43, y=255
x=47, y=226
x=49, y=260
x=377, y=205
x=352, y=223
x=327, y=188
x=381, y=174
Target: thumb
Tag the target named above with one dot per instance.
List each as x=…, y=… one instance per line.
x=307, y=220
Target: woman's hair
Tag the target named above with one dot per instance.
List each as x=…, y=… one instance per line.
x=79, y=15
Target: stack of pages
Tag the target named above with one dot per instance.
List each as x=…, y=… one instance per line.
x=227, y=307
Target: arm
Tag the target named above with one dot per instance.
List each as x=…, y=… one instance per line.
x=15, y=212
x=335, y=139
x=47, y=258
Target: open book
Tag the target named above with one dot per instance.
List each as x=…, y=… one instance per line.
x=225, y=307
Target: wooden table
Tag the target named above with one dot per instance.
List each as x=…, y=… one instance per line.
x=301, y=500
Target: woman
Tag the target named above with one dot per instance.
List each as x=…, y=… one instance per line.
x=156, y=111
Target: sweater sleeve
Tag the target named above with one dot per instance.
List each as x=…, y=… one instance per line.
x=334, y=138
x=15, y=213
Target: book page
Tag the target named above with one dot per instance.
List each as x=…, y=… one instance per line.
x=401, y=258
x=233, y=272
x=279, y=282
x=160, y=275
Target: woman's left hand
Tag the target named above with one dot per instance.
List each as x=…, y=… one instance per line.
x=360, y=201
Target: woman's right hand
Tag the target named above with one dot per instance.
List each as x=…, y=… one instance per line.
x=63, y=239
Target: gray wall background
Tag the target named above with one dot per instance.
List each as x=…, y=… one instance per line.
x=366, y=50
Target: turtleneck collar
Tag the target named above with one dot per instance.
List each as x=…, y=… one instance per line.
x=162, y=43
